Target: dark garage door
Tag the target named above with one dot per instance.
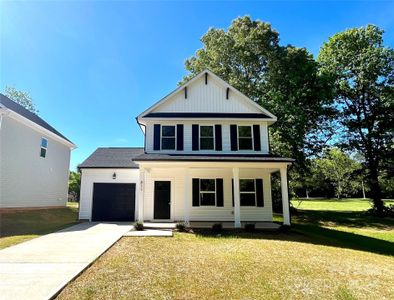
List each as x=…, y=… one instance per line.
x=113, y=202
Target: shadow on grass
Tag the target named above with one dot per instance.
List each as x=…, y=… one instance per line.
x=312, y=234
x=342, y=218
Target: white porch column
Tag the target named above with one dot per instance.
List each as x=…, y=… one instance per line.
x=237, y=206
x=140, y=216
x=285, y=196
x=186, y=196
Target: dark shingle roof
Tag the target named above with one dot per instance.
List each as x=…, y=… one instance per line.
x=206, y=115
x=213, y=157
x=112, y=158
x=19, y=109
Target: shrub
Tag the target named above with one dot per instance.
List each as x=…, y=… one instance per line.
x=388, y=211
x=182, y=227
x=139, y=226
x=216, y=228
x=250, y=227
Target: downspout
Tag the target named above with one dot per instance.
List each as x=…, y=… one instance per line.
x=143, y=131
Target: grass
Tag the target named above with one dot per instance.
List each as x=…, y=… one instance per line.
x=328, y=255
x=22, y=225
x=349, y=204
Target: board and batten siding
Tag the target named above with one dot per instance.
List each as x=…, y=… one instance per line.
x=26, y=179
x=91, y=176
x=206, y=213
x=187, y=138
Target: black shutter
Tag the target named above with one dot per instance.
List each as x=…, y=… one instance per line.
x=233, y=137
x=219, y=192
x=196, y=192
x=195, y=137
x=259, y=192
x=256, y=137
x=218, y=137
x=179, y=137
x=232, y=190
x=156, y=137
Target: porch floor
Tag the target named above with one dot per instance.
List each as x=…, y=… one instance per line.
x=208, y=224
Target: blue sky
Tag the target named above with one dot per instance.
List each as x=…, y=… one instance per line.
x=93, y=66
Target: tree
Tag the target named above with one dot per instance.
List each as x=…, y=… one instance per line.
x=21, y=98
x=74, y=185
x=283, y=79
x=363, y=69
x=339, y=169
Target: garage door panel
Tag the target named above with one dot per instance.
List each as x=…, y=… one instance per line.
x=113, y=202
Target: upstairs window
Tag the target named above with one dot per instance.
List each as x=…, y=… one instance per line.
x=207, y=139
x=247, y=189
x=245, y=138
x=44, y=147
x=168, y=137
x=207, y=192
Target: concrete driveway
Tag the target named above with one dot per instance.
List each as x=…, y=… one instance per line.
x=40, y=268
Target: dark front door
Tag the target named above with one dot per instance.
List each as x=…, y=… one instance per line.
x=113, y=202
x=162, y=200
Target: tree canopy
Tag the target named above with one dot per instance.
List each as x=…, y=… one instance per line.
x=22, y=98
x=283, y=79
x=363, y=70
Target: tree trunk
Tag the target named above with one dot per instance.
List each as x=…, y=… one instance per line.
x=376, y=192
x=363, y=188
x=307, y=194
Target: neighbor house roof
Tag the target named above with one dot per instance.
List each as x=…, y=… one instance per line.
x=19, y=109
x=112, y=157
x=213, y=157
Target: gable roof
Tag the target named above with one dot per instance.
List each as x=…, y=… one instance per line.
x=243, y=97
x=20, y=110
x=112, y=157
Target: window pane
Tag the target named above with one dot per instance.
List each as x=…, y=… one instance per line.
x=206, y=131
x=207, y=185
x=244, y=131
x=206, y=143
x=246, y=185
x=168, y=131
x=43, y=152
x=245, y=144
x=44, y=143
x=168, y=143
x=207, y=199
x=248, y=199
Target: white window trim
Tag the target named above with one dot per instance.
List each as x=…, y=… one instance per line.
x=199, y=137
x=251, y=131
x=161, y=137
x=206, y=192
x=42, y=147
x=255, y=192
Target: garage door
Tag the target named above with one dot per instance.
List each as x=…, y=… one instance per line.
x=113, y=202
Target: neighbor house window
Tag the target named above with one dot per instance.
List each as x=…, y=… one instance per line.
x=245, y=139
x=247, y=189
x=168, y=137
x=44, y=147
x=207, y=192
x=206, y=138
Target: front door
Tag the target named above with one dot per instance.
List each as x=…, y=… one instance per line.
x=162, y=199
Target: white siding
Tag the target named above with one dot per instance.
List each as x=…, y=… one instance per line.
x=225, y=213
x=187, y=136
x=90, y=176
x=209, y=97
x=26, y=179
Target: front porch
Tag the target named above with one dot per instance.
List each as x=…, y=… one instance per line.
x=231, y=206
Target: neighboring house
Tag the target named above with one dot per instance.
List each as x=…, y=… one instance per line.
x=34, y=159
x=206, y=158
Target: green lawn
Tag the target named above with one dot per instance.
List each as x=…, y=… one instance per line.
x=327, y=255
x=350, y=204
x=19, y=226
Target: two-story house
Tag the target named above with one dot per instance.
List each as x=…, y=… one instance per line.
x=206, y=158
x=34, y=159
